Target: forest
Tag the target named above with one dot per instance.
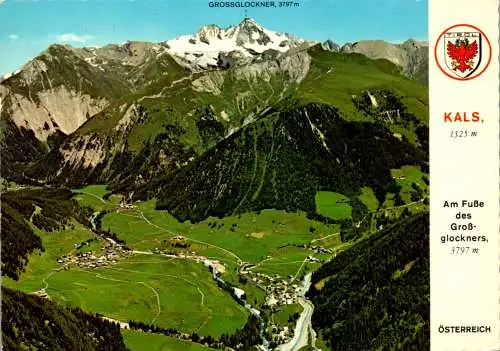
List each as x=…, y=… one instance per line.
x=281, y=162
x=375, y=296
x=32, y=323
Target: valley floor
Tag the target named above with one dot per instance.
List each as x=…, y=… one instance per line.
x=189, y=277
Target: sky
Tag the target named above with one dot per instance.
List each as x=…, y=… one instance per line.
x=27, y=27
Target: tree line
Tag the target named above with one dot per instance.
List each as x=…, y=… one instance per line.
x=48, y=209
x=30, y=322
x=242, y=339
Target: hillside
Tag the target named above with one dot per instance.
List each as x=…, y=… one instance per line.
x=62, y=88
x=411, y=56
x=32, y=323
x=282, y=160
x=165, y=127
x=375, y=295
x=345, y=126
x=58, y=90
x=20, y=147
x=143, y=143
x=24, y=212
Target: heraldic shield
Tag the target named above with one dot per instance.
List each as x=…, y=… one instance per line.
x=462, y=52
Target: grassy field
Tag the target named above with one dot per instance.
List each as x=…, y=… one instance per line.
x=98, y=190
x=353, y=73
x=405, y=177
x=281, y=316
x=368, y=198
x=333, y=205
x=41, y=264
x=139, y=341
x=389, y=200
x=334, y=78
x=92, y=196
x=189, y=300
x=255, y=295
x=329, y=241
x=412, y=208
x=250, y=237
x=93, y=246
x=171, y=293
x=285, y=262
x=411, y=174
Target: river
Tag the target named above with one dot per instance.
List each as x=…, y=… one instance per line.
x=303, y=328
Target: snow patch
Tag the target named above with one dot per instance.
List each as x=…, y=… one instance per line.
x=249, y=38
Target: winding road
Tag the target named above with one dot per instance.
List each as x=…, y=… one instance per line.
x=93, y=195
x=239, y=260
x=157, y=300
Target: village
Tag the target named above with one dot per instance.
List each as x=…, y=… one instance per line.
x=109, y=255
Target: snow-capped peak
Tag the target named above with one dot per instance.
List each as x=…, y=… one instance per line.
x=245, y=40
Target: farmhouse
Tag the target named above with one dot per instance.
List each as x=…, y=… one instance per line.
x=41, y=293
x=238, y=293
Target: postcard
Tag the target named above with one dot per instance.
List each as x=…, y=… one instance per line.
x=250, y=175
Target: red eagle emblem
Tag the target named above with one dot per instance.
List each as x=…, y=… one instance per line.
x=462, y=54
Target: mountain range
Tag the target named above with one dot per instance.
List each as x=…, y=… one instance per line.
x=84, y=107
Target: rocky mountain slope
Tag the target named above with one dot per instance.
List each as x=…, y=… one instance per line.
x=62, y=88
x=161, y=130
x=127, y=114
x=143, y=139
x=58, y=90
x=411, y=56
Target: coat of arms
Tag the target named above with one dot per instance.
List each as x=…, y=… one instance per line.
x=462, y=52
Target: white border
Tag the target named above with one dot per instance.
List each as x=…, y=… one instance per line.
x=465, y=289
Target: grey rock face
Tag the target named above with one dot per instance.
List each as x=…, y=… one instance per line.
x=411, y=56
x=330, y=45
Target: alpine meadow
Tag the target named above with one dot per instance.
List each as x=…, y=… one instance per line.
x=233, y=189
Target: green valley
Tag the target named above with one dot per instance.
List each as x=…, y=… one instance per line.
x=179, y=196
